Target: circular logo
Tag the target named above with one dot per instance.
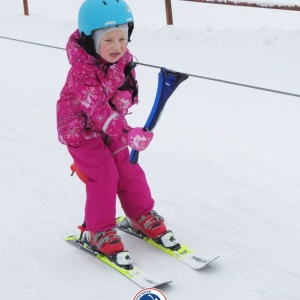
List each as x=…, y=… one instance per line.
x=150, y=294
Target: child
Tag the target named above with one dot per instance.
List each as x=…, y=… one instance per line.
x=91, y=122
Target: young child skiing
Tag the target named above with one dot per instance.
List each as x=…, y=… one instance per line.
x=99, y=90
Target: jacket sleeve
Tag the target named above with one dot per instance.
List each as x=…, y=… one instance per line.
x=92, y=97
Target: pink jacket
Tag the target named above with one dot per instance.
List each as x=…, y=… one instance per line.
x=83, y=107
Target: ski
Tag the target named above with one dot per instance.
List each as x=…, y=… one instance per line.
x=134, y=272
x=180, y=251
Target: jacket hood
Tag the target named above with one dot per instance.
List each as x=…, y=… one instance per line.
x=76, y=53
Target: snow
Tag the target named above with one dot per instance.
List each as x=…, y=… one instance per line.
x=223, y=167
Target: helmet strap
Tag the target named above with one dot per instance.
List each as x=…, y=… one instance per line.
x=130, y=29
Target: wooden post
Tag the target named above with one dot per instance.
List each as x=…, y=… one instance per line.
x=169, y=12
x=26, y=11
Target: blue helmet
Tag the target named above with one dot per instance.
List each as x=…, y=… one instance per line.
x=95, y=14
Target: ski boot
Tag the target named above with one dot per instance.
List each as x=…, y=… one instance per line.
x=152, y=225
x=109, y=244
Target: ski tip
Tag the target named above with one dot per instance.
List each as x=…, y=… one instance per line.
x=161, y=284
x=204, y=264
x=71, y=238
x=214, y=259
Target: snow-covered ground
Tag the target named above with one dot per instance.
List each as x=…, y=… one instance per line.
x=224, y=165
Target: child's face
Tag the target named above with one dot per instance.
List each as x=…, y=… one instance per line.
x=113, y=45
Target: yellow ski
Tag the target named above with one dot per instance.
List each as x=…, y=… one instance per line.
x=135, y=273
x=181, y=251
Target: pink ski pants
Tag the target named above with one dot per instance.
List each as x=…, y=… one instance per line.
x=110, y=174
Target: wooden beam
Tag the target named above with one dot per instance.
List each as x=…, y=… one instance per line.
x=26, y=10
x=169, y=12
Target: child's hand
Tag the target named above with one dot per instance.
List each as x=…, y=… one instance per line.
x=122, y=101
x=138, y=139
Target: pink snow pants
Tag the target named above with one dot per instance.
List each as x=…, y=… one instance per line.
x=110, y=174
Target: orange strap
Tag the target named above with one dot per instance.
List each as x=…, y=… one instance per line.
x=80, y=174
x=82, y=228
